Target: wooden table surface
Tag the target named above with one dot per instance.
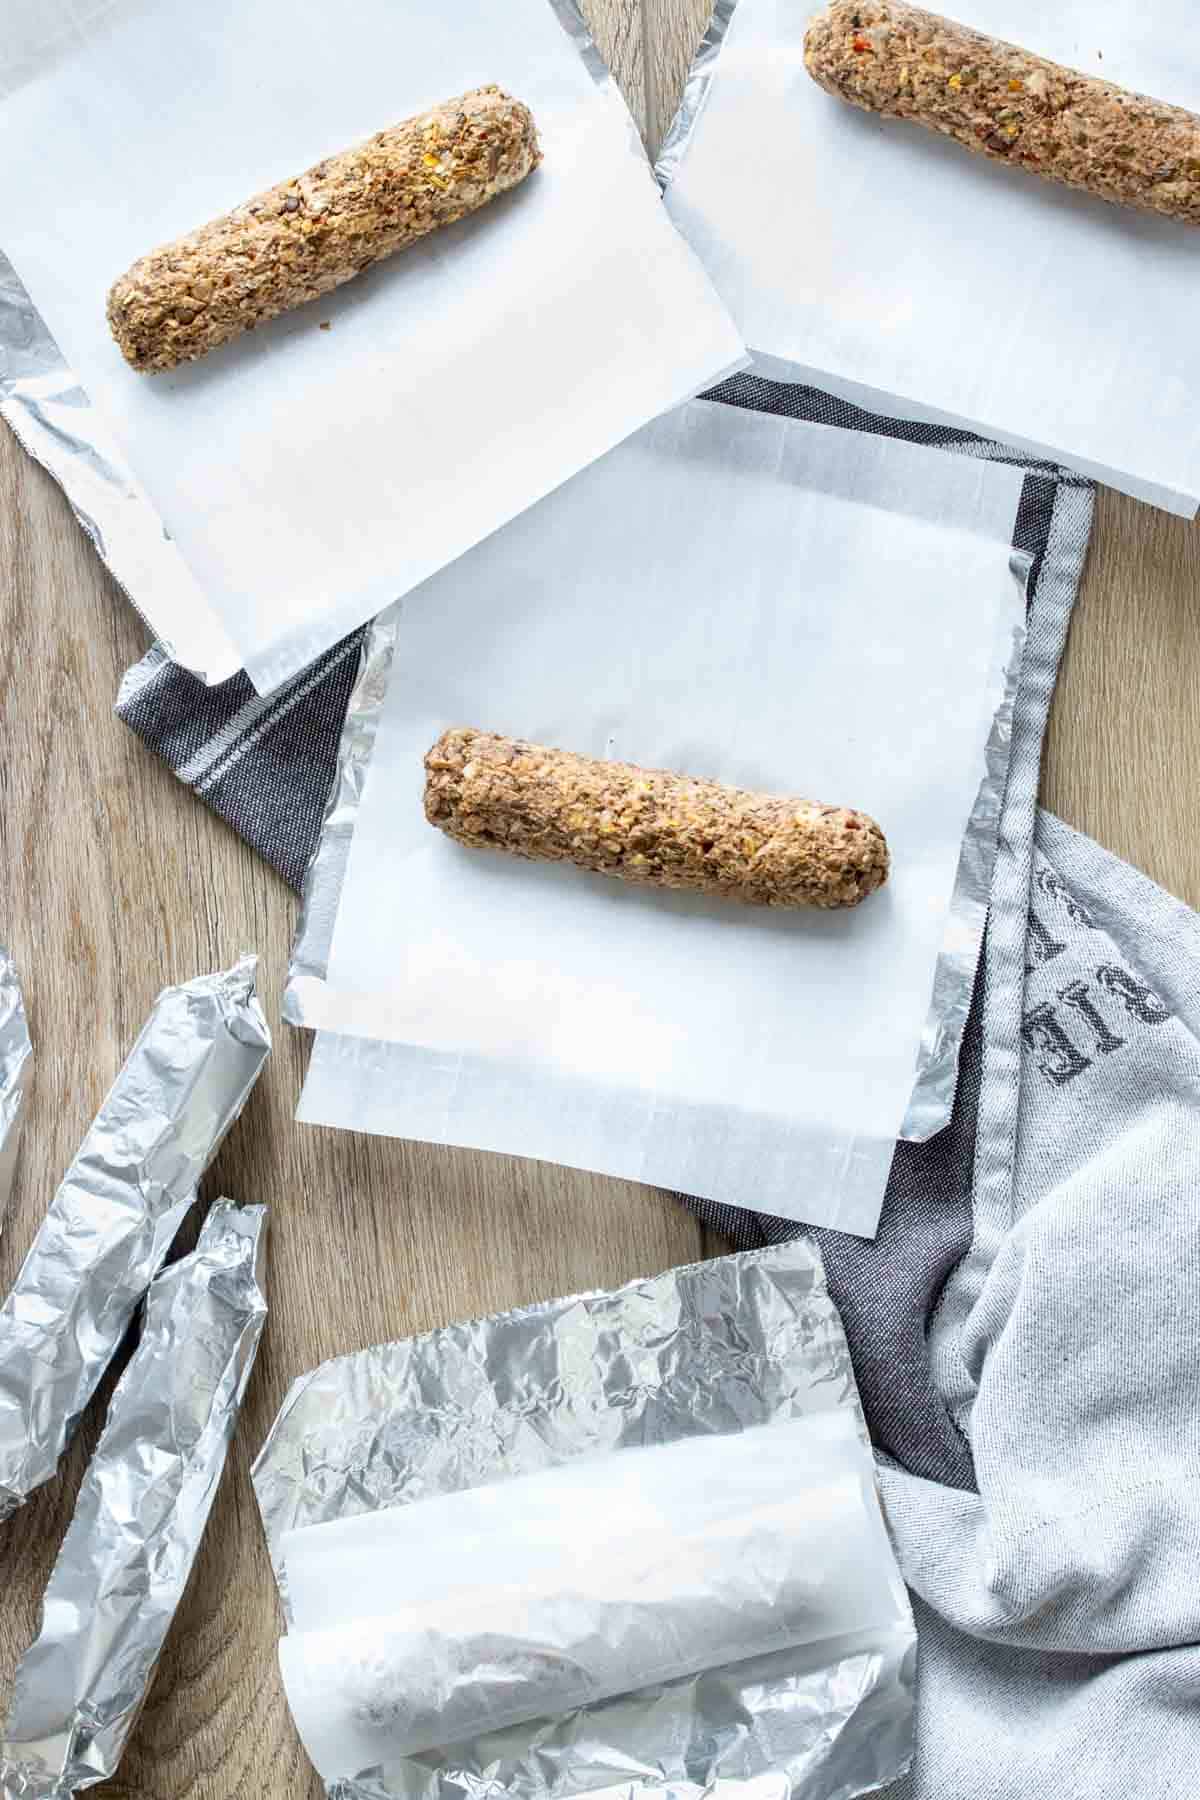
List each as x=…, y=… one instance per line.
x=115, y=881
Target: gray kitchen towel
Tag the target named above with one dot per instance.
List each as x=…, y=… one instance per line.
x=1058, y=1605
x=264, y=765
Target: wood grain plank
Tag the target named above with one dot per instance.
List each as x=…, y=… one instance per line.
x=619, y=30
x=673, y=30
x=1123, y=756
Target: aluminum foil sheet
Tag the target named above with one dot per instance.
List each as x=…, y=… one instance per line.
x=15, y=1052
x=309, y=962
x=117, y=1211
x=715, y=1349
x=55, y=422
x=140, y=1516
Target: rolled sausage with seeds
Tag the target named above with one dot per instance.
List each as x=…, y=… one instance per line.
x=649, y=825
x=306, y=236
x=1008, y=104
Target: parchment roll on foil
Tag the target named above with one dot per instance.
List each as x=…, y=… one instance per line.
x=140, y=1516
x=116, y=1213
x=695, y=1356
x=459, y=1616
x=15, y=1052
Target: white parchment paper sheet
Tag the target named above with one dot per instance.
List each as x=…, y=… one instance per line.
x=431, y=1623
x=779, y=605
x=309, y=476
x=910, y=276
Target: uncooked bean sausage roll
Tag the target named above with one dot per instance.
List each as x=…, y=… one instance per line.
x=306, y=236
x=648, y=825
x=995, y=98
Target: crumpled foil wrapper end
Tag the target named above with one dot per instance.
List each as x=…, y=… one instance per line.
x=141, y=1514
x=114, y=1217
x=15, y=1052
x=713, y=1349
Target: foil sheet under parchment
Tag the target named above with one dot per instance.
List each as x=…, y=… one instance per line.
x=114, y=1217
x=140, y=1516
x=936, y=1082
x=15, y=1052
x=714, y=1349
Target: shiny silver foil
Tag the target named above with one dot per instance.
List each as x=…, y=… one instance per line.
x=116, y=1213
x=15, y=1052
x=570, y=16
x=326, y=873
x=717, y=1348
x=140, y=1516
x=55, y=422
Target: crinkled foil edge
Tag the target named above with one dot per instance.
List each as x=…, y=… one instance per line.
x=16, y=1049
x=321, y=895
x=570, y=16
x=678, y=140
x=58, y=427
x=936, y=1082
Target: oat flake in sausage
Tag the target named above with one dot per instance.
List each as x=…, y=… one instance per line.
x=303, y=237
x=1009, y=104
x=648, y=825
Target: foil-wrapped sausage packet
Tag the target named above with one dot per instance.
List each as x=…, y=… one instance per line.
x=114, y=1217
x=628, y=1532
x=140, y=1516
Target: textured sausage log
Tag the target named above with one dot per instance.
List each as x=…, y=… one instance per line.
x=648, y=825
x=303, y=237
x=993, y=97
